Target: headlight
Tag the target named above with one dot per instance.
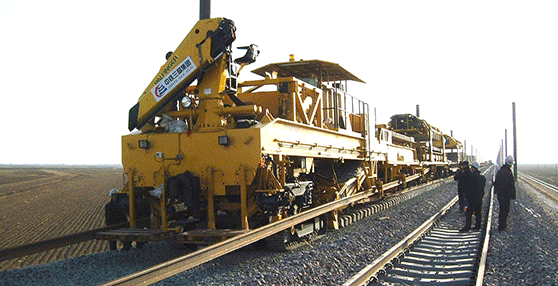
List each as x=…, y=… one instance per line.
x=186, y=102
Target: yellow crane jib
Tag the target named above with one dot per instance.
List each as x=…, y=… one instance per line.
x=206, y=42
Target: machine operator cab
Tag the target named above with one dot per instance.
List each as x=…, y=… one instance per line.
x=320, y=93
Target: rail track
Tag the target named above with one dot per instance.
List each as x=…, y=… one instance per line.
x=49, y=244
x=549, y=190
x=169, y=268
x=432, y=254
x=180, y=264
x=74, y=238
x=57, y=242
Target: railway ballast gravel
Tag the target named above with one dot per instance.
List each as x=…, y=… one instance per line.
x=525, y=253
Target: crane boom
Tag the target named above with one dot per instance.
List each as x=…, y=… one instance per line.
x=206, y=42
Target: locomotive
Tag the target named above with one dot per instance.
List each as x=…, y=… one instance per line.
x=210, y=157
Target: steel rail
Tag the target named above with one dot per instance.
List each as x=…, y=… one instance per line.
x=364, y=275
x=170, y=268
x=180, y=264
x=49, y=244
x=485, y=245
x=539, y=181
x=367, y=273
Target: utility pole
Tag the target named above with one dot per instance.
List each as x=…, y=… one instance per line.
x=506, y=138
x=205, y=9
x=514, y=143
x=464, y=150
x=502, y=152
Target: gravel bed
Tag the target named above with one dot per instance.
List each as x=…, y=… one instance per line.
x=525, y=253
x=91, y=269
x=330, y=260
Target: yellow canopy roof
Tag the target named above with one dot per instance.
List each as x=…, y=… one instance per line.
x=321, y=70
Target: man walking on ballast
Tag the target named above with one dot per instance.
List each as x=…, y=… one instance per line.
x=504, y=186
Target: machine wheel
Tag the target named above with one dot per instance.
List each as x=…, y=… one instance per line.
x=279, y=241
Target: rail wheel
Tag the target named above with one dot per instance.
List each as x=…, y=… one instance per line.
x=298, y=235
x=279, y=241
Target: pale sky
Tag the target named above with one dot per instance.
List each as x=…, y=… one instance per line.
x=71, y=70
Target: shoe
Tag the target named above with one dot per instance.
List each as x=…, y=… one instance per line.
x=464, y=229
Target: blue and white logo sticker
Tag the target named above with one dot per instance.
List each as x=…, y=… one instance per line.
x=175, y=77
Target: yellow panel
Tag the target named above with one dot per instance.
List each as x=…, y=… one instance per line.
x=200, y=153
x=295, y=139
x=143, y=164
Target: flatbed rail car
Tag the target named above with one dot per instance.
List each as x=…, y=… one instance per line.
x=454, y=152
x=401, y=159
x=430, y=142
x=217, y=158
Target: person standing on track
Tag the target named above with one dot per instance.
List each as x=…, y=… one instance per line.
x=504, y=186
x=462, y=177
x=474, y=198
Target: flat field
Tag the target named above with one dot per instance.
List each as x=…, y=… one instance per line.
x=38, y=203
x=547, y=173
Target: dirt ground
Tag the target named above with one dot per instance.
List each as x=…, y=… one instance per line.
x=38, y=203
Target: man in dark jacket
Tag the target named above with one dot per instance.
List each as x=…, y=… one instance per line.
x=114, y=214
x=474, y=198
x=504, y=187
x=462, y=177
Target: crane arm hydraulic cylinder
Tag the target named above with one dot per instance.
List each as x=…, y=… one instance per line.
x=206, y=42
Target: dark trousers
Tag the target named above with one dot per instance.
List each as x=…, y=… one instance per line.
x=504, y=211
x=476, y=209
x=462, y=199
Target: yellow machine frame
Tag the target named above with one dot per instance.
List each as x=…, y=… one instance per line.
x=252, y=139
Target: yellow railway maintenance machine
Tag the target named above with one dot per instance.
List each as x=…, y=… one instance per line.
x=212, y=159
x=430, y=143
x=454, y=152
